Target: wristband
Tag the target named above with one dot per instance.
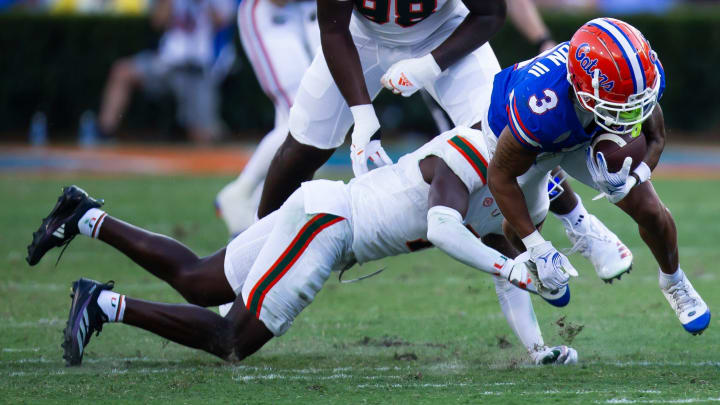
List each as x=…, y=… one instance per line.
x=430, y=62
x=642, y=173
x=532, y=240
x=363, y=113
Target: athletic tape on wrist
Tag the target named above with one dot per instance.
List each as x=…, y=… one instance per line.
x=642, y=172
x=532, y=240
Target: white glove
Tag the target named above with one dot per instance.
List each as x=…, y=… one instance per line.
x=362, y=147
x=553, y=268
x=615, y=185
x=410, y=75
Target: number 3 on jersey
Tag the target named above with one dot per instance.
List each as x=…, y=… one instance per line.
x=541, y=105
x=407, y=12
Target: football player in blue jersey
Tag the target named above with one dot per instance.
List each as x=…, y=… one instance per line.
x=544, y=113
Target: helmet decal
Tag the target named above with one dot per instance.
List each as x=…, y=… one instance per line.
x=589, y=66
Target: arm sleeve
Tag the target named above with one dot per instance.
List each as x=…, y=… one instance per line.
x=447, y=232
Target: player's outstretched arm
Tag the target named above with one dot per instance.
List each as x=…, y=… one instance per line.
x=339, y=50
x=344, y=63
x=448, y=204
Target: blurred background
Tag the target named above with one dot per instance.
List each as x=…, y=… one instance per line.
x=59, y=61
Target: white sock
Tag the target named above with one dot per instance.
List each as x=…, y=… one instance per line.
x=574, y=218
x=90, y=223
x=517, y=307
x=666, y=280
x=112, y=304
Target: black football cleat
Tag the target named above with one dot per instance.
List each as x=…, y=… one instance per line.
x=61, y=225
x=85, y=318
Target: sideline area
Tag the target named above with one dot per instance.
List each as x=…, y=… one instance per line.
x=678, y=161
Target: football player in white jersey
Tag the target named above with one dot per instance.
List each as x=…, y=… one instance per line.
x=361, y=40
x=385, y=31
x=434, y=196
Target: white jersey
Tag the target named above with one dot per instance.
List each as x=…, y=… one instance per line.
x=389, y=204
x=402, y=22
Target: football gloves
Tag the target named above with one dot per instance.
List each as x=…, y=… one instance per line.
x=553, y=268
x=615, y=185
x=365, y=140
x=410, y=75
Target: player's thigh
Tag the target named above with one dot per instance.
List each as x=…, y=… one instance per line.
x=460, y=88
x=320, y=117
x=244, y=249
x=294, y=263
x=272, y=38
x=575, y=165
x=534, y=185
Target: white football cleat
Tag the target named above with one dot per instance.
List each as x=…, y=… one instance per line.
x=610, y=257
x=236, y=206
x=522, y=274
x=558, y=355
x=690, y=308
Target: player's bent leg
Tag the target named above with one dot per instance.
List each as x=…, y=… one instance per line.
x=589, y=236
x=658, y=231
x=231, y=338
x=293, y=163
x=200, y=280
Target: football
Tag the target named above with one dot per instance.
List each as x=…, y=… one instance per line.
x=615, y=148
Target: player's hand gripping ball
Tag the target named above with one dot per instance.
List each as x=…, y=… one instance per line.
x=616, y=163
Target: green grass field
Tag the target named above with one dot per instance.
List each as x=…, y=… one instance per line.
x=428, y=330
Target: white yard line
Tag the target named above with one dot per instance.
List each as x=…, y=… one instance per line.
x=657, y=401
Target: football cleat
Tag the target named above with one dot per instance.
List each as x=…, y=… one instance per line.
x=85, y=318
x=523, y=275
x=236, y=207
x=690, y=308
x=608, y=255
x=61, y=225
x=558, y=355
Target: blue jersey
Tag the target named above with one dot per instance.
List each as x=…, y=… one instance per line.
x=535, y=100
